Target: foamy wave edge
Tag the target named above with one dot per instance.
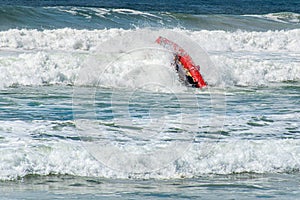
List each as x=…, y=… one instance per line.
x=32, y=57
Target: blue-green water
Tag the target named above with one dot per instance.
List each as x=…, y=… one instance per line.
x=90, y=106
x=255, y=155
x=240, y=186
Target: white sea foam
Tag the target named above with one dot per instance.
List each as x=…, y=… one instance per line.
x=244, y=41
x=44, y=155
x=283, y=17
x=38, y=69
x=102, y=12
x=133, y=12
x=62, y=39
x=72, y=39
x=32, y=57
x=249, y=71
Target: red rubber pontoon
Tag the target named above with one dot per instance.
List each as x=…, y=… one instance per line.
x=182, y=58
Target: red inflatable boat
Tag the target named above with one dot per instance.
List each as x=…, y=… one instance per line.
x=186, y=68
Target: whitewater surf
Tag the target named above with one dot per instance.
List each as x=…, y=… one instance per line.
x=92, y=107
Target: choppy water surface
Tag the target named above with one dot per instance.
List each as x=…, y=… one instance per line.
x=90, y=106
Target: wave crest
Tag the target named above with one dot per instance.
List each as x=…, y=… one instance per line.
x=32, y=57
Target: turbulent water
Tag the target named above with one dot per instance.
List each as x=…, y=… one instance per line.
x=91, y=106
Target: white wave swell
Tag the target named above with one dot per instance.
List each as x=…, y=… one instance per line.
x=45, y=156
x=32, y=57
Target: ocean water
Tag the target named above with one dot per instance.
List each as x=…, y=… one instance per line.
x=90, y=106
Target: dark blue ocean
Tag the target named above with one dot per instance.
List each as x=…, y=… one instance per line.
x=91, y=106
x=215, y=14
